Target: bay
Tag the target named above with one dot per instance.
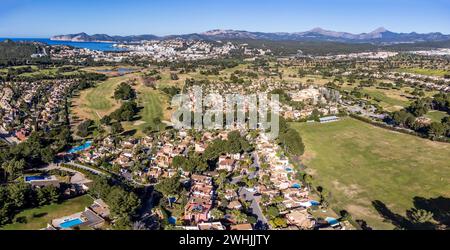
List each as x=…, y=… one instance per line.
x=100, y=46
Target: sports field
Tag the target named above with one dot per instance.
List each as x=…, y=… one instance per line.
x=154, y=105
x=360, y=163
x=94, y=103
x=97, y=102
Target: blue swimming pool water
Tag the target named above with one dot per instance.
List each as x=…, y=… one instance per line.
x=315, y=203
x=296, y=185
x=172, y=220
x=34, y=178
x=80, y=148
x=71, y=223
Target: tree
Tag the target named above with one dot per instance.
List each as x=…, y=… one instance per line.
x=116, y=128
x=123, y=223
x=169, y=186
x=420, y=216
x=47, y=195
x=174, y=77
x=178, y=161
x=13, y=168
x=139, y=226
x=157, y=122
x=292, y=142
x=47, y=155
x=419, y=107
x=324, y=196
x=19, y=194
x=400, y=117
x=124, y=92
x=239, y=217
x=126, y=112
x=308, y=180
x=272, y=212
x=106, y=120
x=345, y=215
x=436, y=129
x=279, y=222
x=217, y=214
x=122, y=203
x=84, y=128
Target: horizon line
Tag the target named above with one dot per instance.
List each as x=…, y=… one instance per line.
x=222, y=29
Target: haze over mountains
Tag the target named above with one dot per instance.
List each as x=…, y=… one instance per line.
x=380, y=35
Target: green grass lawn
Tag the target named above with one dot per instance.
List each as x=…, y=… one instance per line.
x=151, y=102
x=38, y=218
x=95, y=103
x=101, y=97
x=427, y=72
x=436, y=116
x=360, y=163
x=389, y=102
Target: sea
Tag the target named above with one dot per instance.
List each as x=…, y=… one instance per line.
x=101, y=46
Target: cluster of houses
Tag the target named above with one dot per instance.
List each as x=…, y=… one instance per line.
x=431, y=82
x=283, y=181
x=24, y=105
x=326, y=101
x=75, y=55
x=201, y=200
x=178, y=49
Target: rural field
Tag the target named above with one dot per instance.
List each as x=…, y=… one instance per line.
x=359, y=163
x=37, y=218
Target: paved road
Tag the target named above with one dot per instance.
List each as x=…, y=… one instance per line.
x=7, y=137
x=77, y=178
x=250, y=196
x=256, y=208
x=95, y=171
x=252, y=175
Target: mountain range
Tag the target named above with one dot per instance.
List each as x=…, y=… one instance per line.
x=378, y=36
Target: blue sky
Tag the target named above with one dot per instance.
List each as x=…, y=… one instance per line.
x=44, y=18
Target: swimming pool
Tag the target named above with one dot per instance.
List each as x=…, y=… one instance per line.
x=80, y=148
x=34, y=178
x=172, y=220
x=71, y=223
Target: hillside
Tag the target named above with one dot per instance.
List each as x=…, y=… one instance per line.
x=378, y=36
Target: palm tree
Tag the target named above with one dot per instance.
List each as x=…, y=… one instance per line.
x=308, y=180
x=420, y=216
x=216, y=214
x=139, y=225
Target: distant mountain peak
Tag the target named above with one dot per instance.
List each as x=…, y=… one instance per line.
x=379, y=35
x=317, y=29
x=379, y=30
x=217, y=32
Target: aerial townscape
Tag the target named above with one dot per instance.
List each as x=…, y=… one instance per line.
x=89, y=141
